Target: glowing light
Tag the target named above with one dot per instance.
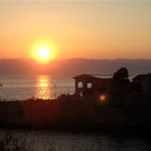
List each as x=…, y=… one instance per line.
x=43, y=87
x=102, y=98
x=43, y=51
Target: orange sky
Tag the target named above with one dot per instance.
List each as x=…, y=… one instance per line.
x=76, y=29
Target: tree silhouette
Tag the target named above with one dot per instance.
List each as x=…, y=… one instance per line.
x=120, y=84
x=121, y=74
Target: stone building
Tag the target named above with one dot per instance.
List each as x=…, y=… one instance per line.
x=142, y=84
x=86, y=84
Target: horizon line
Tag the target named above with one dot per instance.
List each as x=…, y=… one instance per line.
x=78, y=58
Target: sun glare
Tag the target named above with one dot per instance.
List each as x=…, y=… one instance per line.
x=102, y=97
x=43, y=52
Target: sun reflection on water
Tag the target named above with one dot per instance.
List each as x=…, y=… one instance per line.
x=43, y=90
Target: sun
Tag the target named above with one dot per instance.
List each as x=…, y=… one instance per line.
x=43, y=52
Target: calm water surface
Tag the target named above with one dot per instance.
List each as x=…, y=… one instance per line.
x=21, y=87
x=46, y=141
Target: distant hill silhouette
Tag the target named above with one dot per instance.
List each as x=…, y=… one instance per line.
x=74, y=66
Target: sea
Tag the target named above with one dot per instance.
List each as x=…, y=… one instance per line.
x=23, y=87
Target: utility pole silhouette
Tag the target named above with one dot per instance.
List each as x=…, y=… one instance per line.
x=0, y=86
x=55, y=88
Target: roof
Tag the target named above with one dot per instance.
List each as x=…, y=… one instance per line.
x=141, y=77
x=84, y=76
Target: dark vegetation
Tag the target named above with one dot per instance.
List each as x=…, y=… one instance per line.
x=74, y=115
x=12, y=143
